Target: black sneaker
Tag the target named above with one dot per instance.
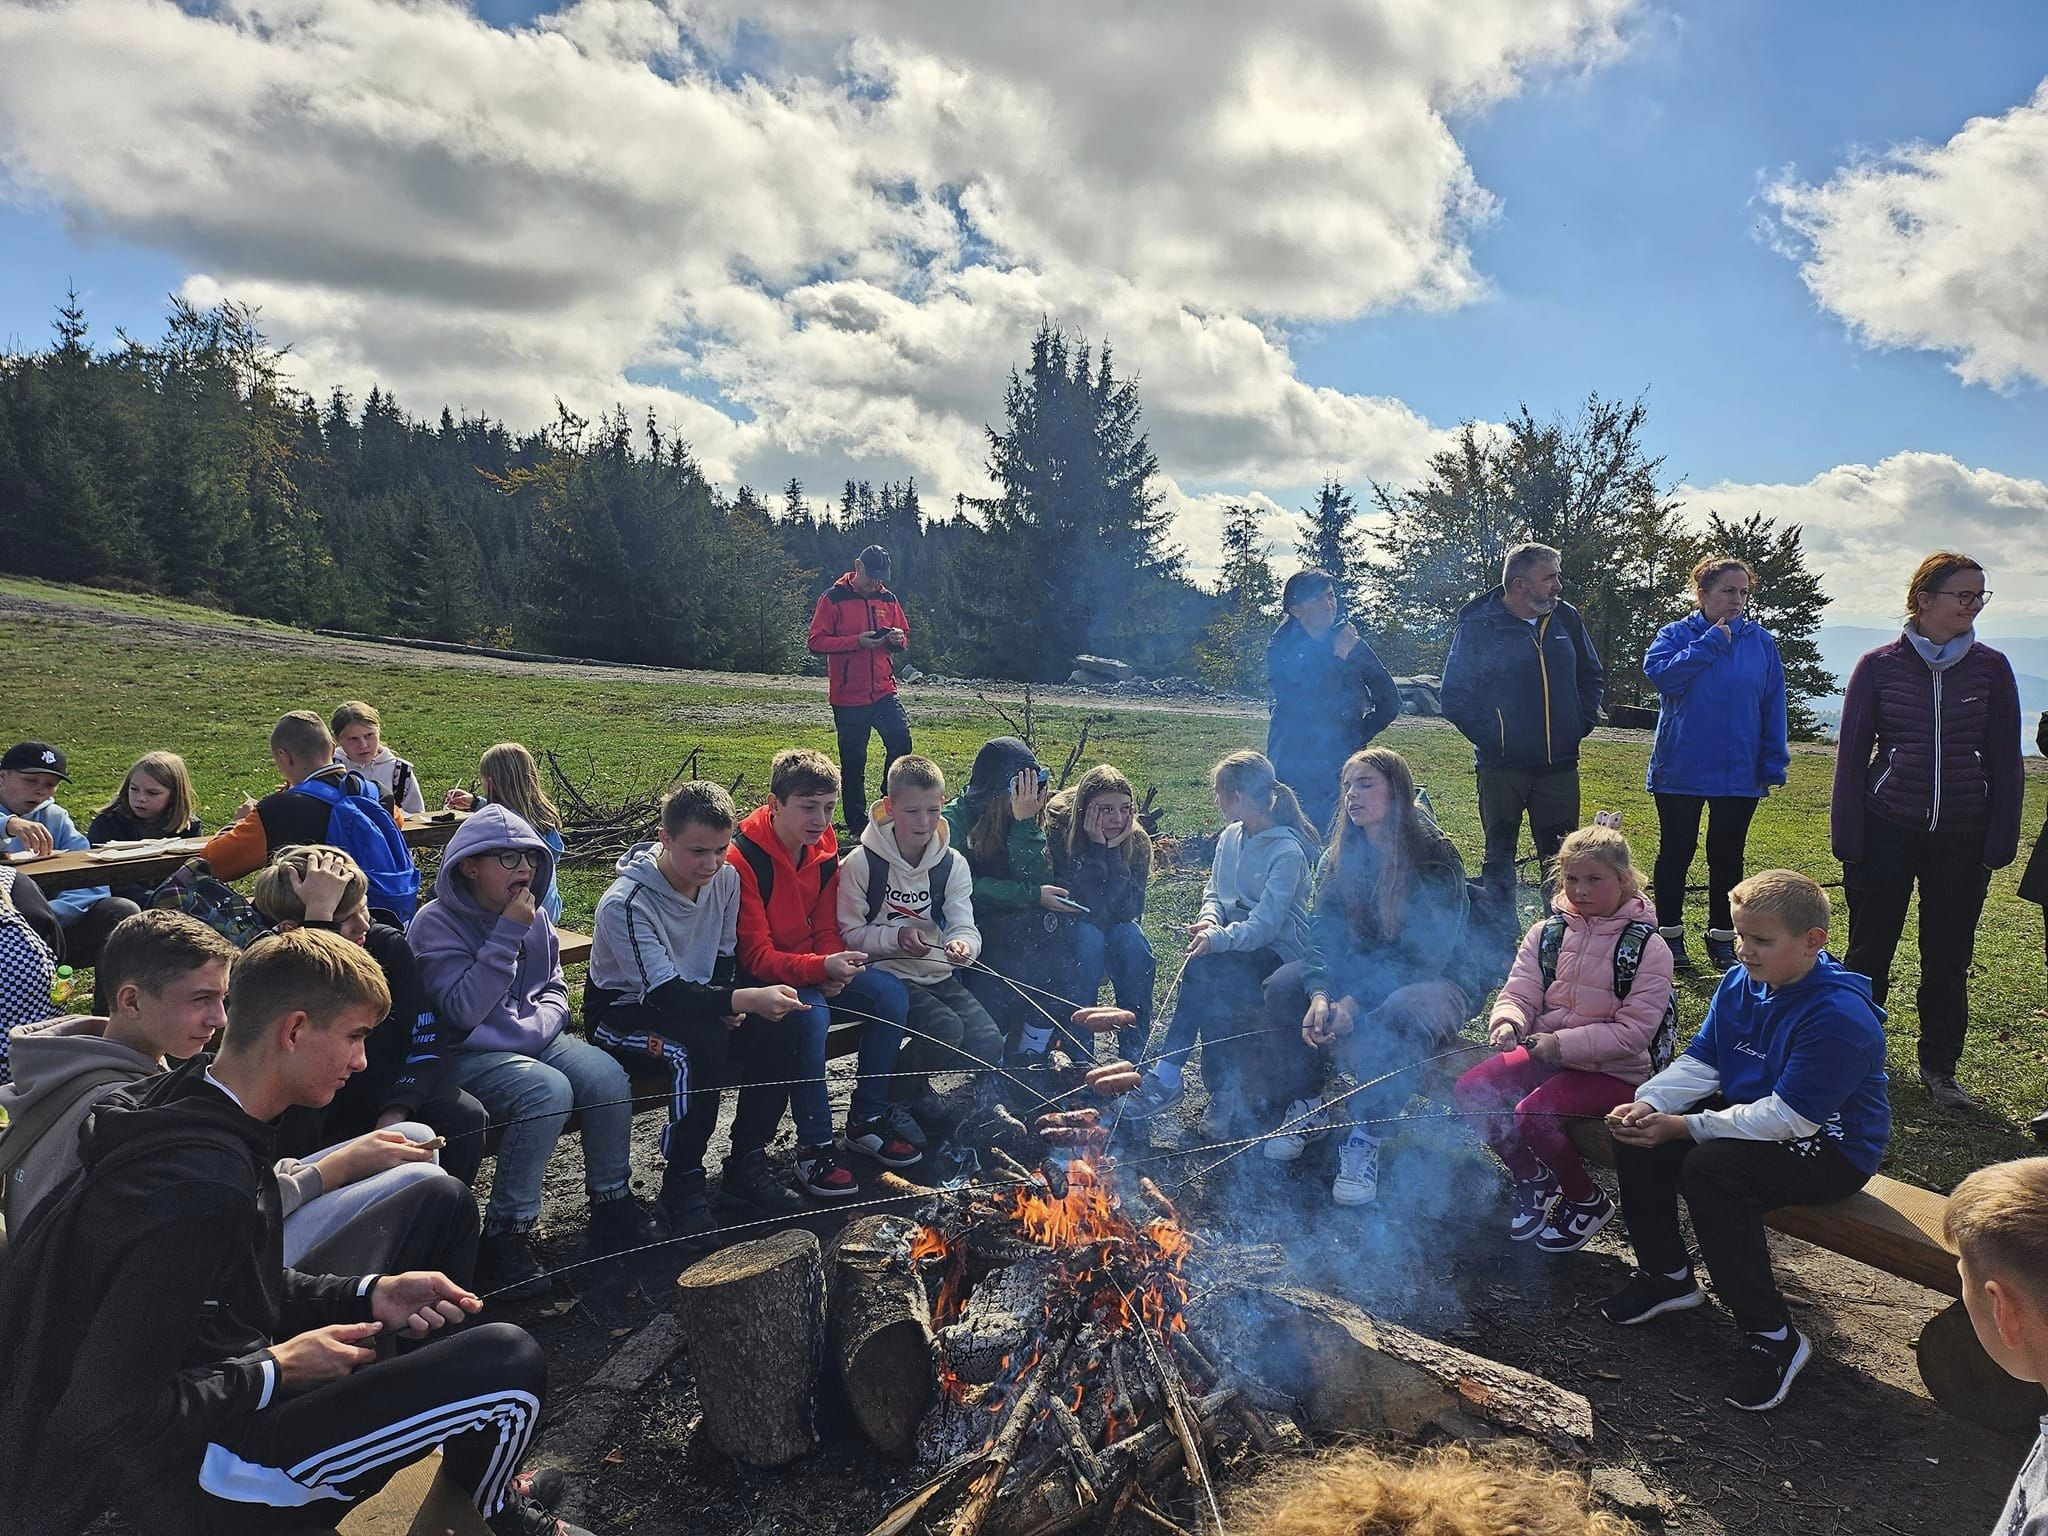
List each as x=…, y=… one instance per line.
x=619, y=1224
x=689, y=1219
x=1764, y=1374
x=507, y=1267
x=822, y=1174
x=1675, y=939
x=1647, y=1296
x=544, y=1487
x=2039, y=1126
x=1721, y=951
x=1943, y=1088
x=521, y=1516
x=751, y=1186
x=903, y=1125
x=875, y=1138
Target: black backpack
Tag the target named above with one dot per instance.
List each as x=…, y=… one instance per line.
x=878, y=890
x=762, y=863
x=1628, y=959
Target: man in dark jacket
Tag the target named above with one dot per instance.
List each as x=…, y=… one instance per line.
x=857, y=627
x=1331, y=695
x=162, y=1358
x=1524, y=684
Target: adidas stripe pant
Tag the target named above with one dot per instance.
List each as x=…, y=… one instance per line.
x=477, y=1394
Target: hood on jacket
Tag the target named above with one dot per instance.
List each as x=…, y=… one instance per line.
x=1828, y=980
x=998, y=762
x=46, y=1056
x=1635, y=909
x=759, y=825
x=1496, y=599
x=159, y=1111
x=490, y=828
x=879, y=838
x=641, y=865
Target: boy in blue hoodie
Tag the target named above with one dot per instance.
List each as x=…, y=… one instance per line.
x=493, y=968
x=663, y=986
x=1779, y=1100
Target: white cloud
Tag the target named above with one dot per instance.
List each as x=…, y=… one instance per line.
x=1938, y=246
x=844, y=216
x=1867, y=526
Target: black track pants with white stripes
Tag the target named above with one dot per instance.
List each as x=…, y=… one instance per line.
x=304, y=1460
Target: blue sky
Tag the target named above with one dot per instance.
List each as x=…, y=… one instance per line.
x=1637, y=243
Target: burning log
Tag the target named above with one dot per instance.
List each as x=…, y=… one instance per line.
x=981, y=1494
x=881, y=1333
x=753, y=1317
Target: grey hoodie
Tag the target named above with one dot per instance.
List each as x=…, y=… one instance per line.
x=907, y=903
x=1257, y=895
x=496, y=983
x=649, y=933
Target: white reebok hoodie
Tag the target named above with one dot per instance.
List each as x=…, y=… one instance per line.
x=906, y=903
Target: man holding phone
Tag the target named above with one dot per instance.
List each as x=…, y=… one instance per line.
x=859, y=627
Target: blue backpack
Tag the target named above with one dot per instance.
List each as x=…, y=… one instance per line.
x=360, y=827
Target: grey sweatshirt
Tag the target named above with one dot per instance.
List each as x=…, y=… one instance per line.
x=649, y=933
x=2026, y=1507
x=1257, y=895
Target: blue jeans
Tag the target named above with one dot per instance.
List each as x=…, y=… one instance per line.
x=538, y=1092
x=1124, y=955
x=794, y=1047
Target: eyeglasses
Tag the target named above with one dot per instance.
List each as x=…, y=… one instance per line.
x=514, y=858
x=1965, y=599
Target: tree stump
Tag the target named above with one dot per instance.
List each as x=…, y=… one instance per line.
x=880, y=1332
x=753, y=1318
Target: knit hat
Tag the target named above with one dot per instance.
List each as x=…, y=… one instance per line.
x=998, y=762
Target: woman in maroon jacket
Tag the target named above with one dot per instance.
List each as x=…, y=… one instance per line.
x=1927, y=790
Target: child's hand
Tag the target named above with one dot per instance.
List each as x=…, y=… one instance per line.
x=1054, y=897
x=1503, y=1036
x=35, y=837
x=1027, y=796
x=1326, y=1020
x=523, y=906
x=458, y=800
x=1638, y=1125
x=959, y=952
x=767, y=1002
x=322, y=884
x=845, y=965
x=1544, y=1048
x=1200, y=945
x=913, y=942
x=323, y=1354
x=372, y=1153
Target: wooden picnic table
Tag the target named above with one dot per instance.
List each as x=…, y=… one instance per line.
x=68, y=871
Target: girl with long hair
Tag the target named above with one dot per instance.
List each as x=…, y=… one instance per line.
x=1102, y=857
x=509, y=776
x=155, y=800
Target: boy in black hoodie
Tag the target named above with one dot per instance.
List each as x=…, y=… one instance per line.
x=162, y=1358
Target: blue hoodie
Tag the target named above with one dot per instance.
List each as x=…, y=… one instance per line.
x=1817, y=1044
x=1721, y=727
x=495, y=982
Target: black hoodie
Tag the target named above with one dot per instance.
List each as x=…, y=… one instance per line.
x=137, y=1311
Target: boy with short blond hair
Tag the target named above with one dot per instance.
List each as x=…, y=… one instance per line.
x=1779, y=1100
x=1997, y=1222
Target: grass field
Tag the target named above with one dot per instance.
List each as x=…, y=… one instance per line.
x=95, y=674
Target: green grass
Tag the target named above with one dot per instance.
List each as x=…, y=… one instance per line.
x=108, y=691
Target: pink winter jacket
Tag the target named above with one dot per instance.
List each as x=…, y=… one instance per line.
x=1594, y=1033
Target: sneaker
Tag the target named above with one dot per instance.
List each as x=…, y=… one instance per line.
x=1358, y=1171
x=1150, y=1097
x=823, y=1175
x=903, y=1125
x=1532, y=1202
x=2039, y=1127
x=543, y=1487
x=1721, y=949
x=689, y=1220
x=1675, y=939
x=1223, y=1116
x=1943, y=1088
x=1767, y=1368
x=521, y=1516
x=1572, y=1223
x=750, y=1185
x=1647, y=1296
x=874, y=1138
x=1303, y=1123
x=619, y=1224
x=508, y=1269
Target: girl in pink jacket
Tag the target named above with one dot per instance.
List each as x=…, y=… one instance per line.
x=1570, y=1044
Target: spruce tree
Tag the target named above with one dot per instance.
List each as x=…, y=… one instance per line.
x=1332, y=542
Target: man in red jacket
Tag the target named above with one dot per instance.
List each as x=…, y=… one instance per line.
x=857, y=627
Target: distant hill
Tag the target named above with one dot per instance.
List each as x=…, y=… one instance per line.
x=1840, y=645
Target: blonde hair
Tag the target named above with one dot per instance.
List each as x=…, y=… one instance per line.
x=354, y=712
x=911, y=771
x=306, y=971
x=1714, y=567
x=1934, y=570
x=1603, y=845
x=1416, y=840
x=1794, y=899
x=277, y=896
x=303, y=737
x=1998, y=1220
x=511, y=778
x=1451, y=1491
x=1070, y=806
x=1252, y=775
x=169, y=770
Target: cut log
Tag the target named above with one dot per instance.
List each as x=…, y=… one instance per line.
x=1353, y=1373
x=753, y=1318
x=881, y=1334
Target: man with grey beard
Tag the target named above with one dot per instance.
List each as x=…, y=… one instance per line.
x=1524, y=684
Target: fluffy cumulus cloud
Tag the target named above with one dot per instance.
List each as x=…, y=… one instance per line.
x=1868, y=525
x=802, y=229
x=1938, y=245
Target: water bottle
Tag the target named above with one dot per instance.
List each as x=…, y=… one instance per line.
x=63, y=987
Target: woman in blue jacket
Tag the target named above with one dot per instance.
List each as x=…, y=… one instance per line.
x=1720, y=745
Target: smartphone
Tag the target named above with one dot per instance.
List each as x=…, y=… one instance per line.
x=1068, y=904
x=1044, y=777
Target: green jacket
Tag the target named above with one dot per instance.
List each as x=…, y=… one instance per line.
x=1025, y=866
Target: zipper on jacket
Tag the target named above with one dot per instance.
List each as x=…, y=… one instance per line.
x=1934, y=810
x=1543, y=670
x=1889, y=763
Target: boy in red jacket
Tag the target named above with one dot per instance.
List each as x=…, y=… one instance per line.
x=788, y=862
x=857, y=627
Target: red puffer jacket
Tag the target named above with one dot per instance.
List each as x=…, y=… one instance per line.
x=840, y=619
x=1929, y=750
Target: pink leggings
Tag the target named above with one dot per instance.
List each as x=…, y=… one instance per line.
x=1532, y=1139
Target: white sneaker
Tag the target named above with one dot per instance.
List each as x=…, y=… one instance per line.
x=1303, y=1124
x=1358, y=1172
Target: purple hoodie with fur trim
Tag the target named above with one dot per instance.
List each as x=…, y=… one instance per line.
x=496, y=982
